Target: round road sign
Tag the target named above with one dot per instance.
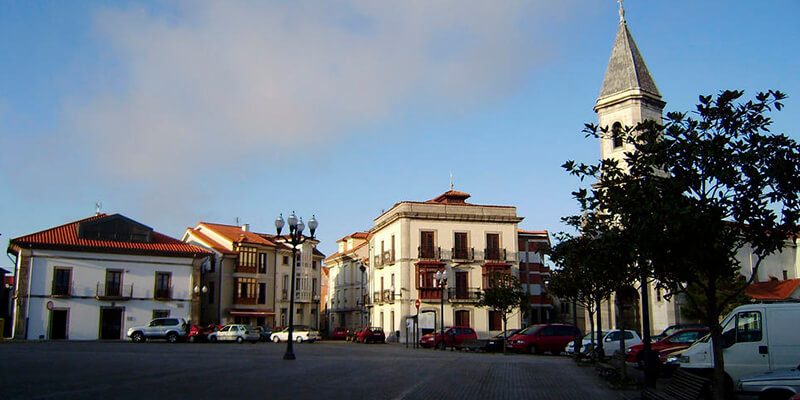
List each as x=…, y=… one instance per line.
x=416, y=303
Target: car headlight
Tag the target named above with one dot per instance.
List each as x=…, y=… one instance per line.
x=683, y=359
x=519, y=341
x=630, y=350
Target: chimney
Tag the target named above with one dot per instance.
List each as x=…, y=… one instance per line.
x=246, y=227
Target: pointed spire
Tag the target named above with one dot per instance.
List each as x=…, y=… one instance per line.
x=626, y=67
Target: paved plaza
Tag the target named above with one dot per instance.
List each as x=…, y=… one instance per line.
x=323, y=370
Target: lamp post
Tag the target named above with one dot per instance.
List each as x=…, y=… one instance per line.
x=363, y=268
x=441, y=278
x=197, y=306
x=295, y=238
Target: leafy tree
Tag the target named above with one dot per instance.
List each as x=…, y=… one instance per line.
x=503, y=295
x=692, y=192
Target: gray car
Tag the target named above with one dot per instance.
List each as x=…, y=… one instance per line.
x=772, y=385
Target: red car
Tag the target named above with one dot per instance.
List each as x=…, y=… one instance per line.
x=536, y=339
x=199, y=334
x=339, y=333
x=453, y=337
x=681, y=338
x=370, y=335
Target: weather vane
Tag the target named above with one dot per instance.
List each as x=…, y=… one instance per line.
x=451, y=181
x=98, y=206
x=621, y=11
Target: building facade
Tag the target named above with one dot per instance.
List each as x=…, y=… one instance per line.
x=348, y=282
x=97, y=277
x=413, y=241
x=248, y=280
x=534, y=275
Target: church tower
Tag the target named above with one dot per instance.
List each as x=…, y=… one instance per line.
x=629, y=95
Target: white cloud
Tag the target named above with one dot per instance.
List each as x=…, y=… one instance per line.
x=227, y=80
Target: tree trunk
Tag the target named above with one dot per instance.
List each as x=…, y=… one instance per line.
x=718, y=382
x=621, y=327
x=577, y=337
x=598, y=349
x=650, y=375
x=505, y=328
x=591, y=330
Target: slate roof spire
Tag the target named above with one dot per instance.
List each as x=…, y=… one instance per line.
x=626, y=68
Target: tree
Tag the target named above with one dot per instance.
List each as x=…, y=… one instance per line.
x=503, y=295
x=694, y=191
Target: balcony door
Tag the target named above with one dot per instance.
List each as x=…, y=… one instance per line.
x=426, y=244
x=462, y=283
x=492, y=246
x=113, y=282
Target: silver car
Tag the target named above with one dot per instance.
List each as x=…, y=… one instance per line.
x=772, y=385
x=235, y=332
x=171, y=329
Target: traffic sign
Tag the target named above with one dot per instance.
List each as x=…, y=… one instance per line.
x=416, y=303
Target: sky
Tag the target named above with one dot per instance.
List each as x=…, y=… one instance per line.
x=176, y=112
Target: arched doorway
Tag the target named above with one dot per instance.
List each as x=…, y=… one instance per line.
x=628, y=309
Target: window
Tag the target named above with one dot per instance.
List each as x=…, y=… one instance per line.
x=247, y=256
x=492, y=272
x=313, y=287
x=658, y=294
x=460, y=250
x=113, y=282
x=210, y=293
x=262, y=263
x=285, y=260
x=785, y=275
x=314, y=264
x=246, y=288
x=492, y=246
x=283, y=316
x=160, y=314
x=262, y=293
x=748, y=327
x=426, y=249
x=462, y=318
x=616, y=134
x=163, y=289
x=392, y=249
x=495, y=321
x=62, y=281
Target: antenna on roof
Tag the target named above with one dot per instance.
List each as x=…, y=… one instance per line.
x=97, y=207
x=236, y=221
x=451, y=180
x=621, y=12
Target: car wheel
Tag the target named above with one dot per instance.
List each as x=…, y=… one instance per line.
x=532, y=349
x=239, y=339
x=640, y=362
x=192, y=339
x=212, y=339
x=137, y=337
x=172, y=337
x=298, y=339
x=276, y=339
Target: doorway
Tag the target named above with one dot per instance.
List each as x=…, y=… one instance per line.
x=111, y=322
x=59, y=319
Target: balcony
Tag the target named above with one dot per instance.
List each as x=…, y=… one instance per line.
x=429, y=253
x=113, y=292
x=463, y=295
x=494, y=255
x=245, y=269
x=377, y=298
x=378, y=261
x=163, y=293
x=388, y=296
x=285, y=295
x=463, y=254
x=388, y=258
x=430, y=294
x=245, y=300
x=63, y=289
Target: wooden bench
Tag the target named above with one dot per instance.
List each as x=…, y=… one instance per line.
x=612, y=367
x=683, y=385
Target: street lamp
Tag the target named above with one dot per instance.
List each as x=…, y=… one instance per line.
x=441, y=278
x=294, y=238
x=363, y=268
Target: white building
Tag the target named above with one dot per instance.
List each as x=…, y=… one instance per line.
x=94, y=278
x=348, y=282
x=413, y=240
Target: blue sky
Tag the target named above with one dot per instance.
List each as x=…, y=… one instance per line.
x=177, y=112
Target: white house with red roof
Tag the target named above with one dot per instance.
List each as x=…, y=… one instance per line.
x=348, y=282
x=248, y=280
x=94, y=278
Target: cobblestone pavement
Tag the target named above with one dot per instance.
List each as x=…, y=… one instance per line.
x=329, y=370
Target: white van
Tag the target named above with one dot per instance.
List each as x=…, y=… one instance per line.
x=757, y=338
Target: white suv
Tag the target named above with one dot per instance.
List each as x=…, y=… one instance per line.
x=171, y=329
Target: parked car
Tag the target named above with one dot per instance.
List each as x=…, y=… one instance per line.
x=264, y=333
x=352, y=334
x=536, y=339
x=453, y=337
x=200, y=334
x=300, y=334
x=672, y=329
x=495, y=343
x=772, y=385
x=756, y=338
x=339, y=333
x=171, y=329
x=235, y=332
x=682, y=338
x=371, y=335
x=611, y=342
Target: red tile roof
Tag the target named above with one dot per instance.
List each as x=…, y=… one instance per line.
x=451, y=197
x=65, y=237
x=357, y=235
x=237, y=235
x=209, y=242
x=532, y=232
x=332, y=256
x=772, y=290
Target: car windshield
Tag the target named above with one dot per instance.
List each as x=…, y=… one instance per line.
x=530, y=330
x=589, y=335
